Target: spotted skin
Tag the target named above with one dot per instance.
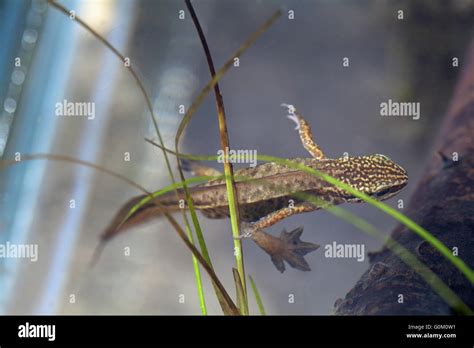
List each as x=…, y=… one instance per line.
x=278, y=184
x=267, y=195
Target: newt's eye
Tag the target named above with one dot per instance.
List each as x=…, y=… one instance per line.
x=381, y=193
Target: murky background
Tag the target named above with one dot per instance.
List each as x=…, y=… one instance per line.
x=297, y=61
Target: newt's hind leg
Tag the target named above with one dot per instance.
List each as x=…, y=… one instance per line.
x=306, y=135
x=272, y=218
x=288, y=247
x=197, y=168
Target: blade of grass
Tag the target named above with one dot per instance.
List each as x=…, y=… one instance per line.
x=104, y=41
x=258, y=299
x=239, y=289
x=199, y=99
x=4, y=163
x=181, y=127
x=197, y=273
x=228, y=168
x=127, y=65
x=230, y=308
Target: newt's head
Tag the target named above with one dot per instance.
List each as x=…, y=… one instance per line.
x=392, y=177
x=375, y=175
x=383, y=177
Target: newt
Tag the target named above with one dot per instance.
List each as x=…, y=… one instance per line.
x=263, y=203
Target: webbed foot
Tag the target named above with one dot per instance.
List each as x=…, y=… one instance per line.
x=288, y=247
x=291, y=115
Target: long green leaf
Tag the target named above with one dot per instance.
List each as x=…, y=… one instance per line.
x=258, y=298
x=229, y=179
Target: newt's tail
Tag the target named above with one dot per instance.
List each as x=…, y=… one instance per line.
x=152, y=210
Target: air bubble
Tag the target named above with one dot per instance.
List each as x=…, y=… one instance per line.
x=30, y=36
x=9, y=105
x=18, y=77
